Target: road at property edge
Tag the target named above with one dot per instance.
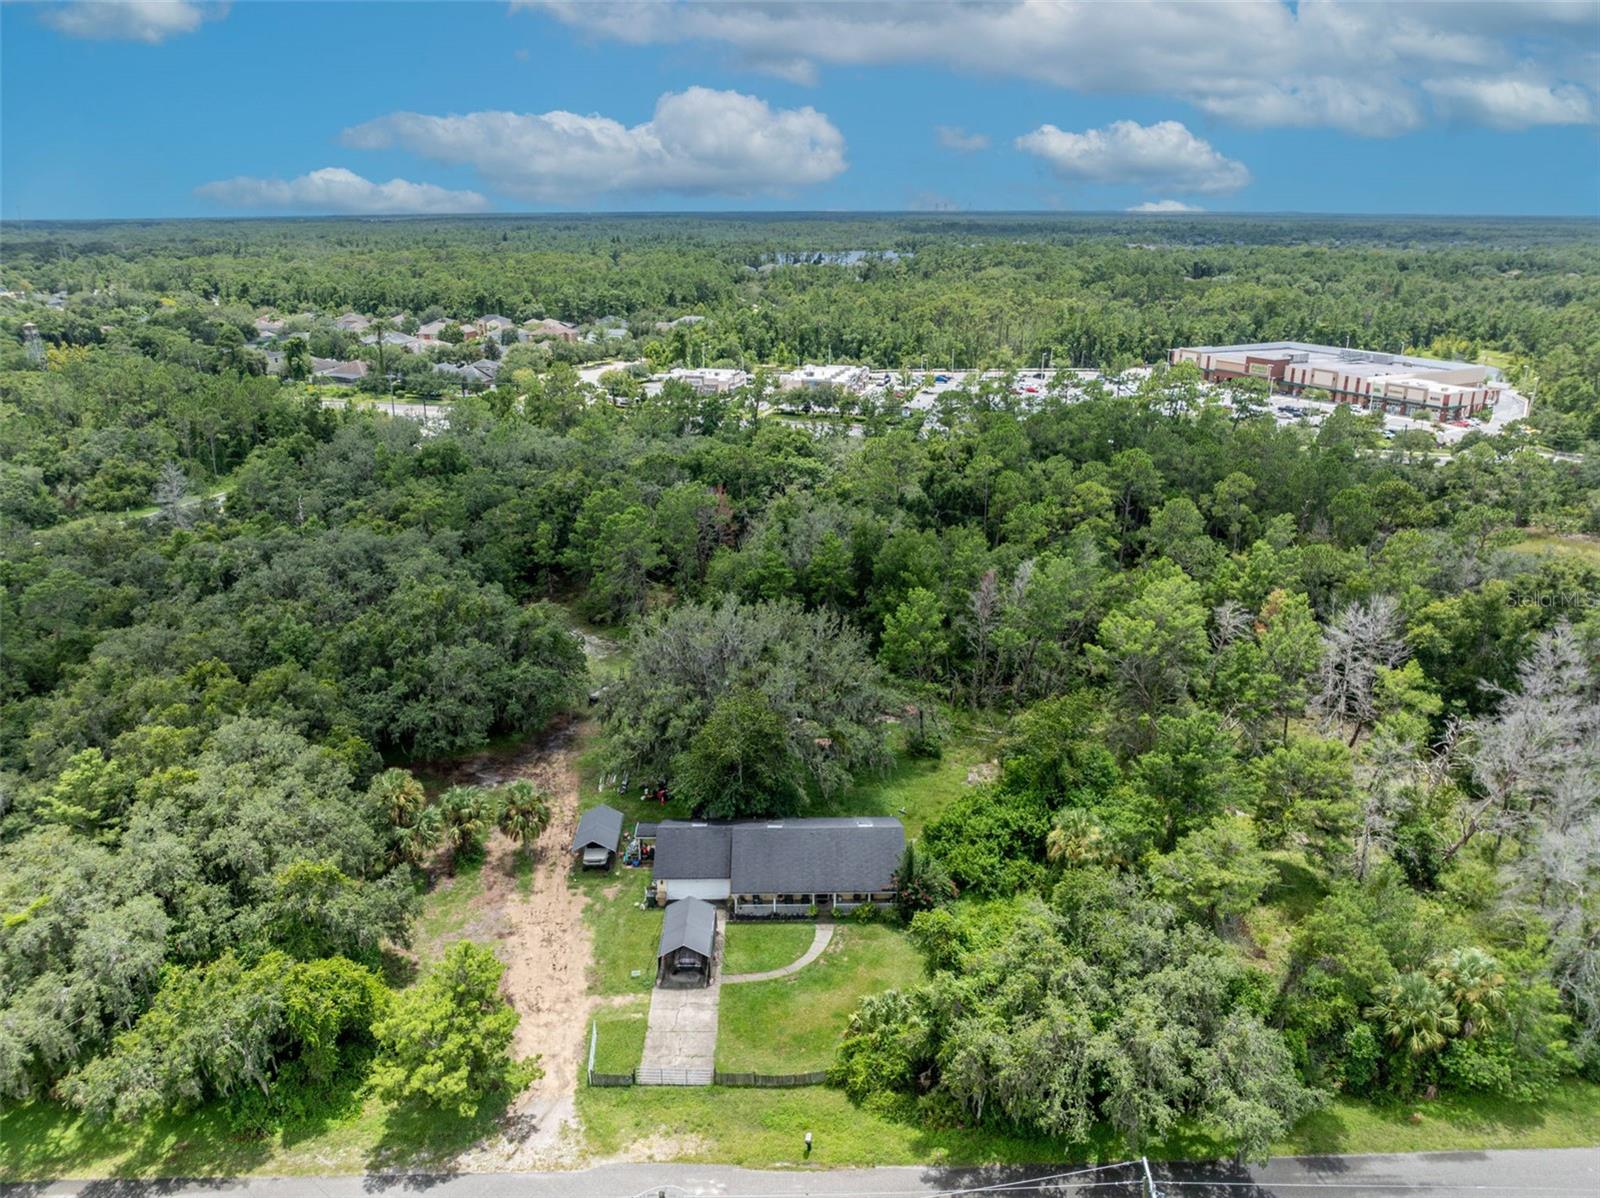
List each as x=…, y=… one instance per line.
x=1532, y=1173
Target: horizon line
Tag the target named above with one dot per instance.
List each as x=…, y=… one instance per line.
x=770, y=213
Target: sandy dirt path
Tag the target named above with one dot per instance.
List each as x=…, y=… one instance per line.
x=541, y=935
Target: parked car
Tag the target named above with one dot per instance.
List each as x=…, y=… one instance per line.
x=941, y=378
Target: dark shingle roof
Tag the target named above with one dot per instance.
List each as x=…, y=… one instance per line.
x=800, y=856
x=797, y=856
x=691, y=850
x=689, y=923
x=644, y=830
x=600, y=826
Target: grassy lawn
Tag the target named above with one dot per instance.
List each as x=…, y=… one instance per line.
x=1568, y=1118
x=447, y=909
x=757, y=1128
x=763, y=1129
x=791, y=1024
x=758, y=947
x=44, y=1140
x=914, y=791
x=621, y=1042
x=625, y=937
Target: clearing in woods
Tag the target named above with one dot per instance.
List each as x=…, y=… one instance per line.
x=537, y=926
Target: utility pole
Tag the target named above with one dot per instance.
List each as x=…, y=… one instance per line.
x=1149, y=1180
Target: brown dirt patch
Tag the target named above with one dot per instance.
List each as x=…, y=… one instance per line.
x=541, y=935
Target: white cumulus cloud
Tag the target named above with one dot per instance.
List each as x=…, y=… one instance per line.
x=1510, y=103
x=952, y=137
x=1166, y=206
x=1164, y=155
x=1357, y=65
x=335, y=189
x=148, y=21
x=698, y=142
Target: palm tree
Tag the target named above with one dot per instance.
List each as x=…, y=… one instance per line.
x=1417, y=1014
x=463, y=809
x=524, y=813
x=399, y=795
x=413, y=842
x=1075, y=839
x=1473, y=982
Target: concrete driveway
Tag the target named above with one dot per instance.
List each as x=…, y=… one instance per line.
x=680, y=1041
x=682, y=1034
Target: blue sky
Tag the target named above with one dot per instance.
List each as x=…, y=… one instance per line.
x=177, y=108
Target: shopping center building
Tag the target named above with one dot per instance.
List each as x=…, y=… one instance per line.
x=1397, y=384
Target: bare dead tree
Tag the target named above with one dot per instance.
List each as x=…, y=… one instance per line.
x=984, y=618
x=171, y=491
x=1363, y=638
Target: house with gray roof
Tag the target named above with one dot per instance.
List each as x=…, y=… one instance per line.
x=330, y=371
x=780, y=867
x=596, y=839
x=688, y=944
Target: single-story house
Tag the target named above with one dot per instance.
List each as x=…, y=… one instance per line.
x=780, y=867
x=431, y=330
x=330, y=371
x=663, y=326
x=487, y=367
x=469, y=376
x=688, y=945
x=552, y=328
x=693, y=860
x=266, y=326
x=353, y=322
x=395, y=340
x=596, y=838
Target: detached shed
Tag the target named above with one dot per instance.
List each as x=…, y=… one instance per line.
x=598, y=833
x=688, y=944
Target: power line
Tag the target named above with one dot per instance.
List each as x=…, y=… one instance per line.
x=1021, y=1185
x=1452, y=1187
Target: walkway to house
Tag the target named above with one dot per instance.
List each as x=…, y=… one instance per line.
x=680, y=1041
x=819, y=941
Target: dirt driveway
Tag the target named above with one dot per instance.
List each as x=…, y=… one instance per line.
x=541, y=935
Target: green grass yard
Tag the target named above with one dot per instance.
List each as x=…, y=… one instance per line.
x=762, y=1128
x=625, y=937
x=915, y=791
x=447, y=910
x=753, y=1128
x=47, y=1140
x=621, y=1035
x=792, y=1024
x=755, y=947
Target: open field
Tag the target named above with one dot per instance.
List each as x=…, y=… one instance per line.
x=1570, y=545
x=792, y=1024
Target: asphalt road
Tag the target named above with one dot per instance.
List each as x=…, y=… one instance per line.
x=1531, y=1174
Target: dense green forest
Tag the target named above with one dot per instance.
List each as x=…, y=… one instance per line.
x=1231, y=658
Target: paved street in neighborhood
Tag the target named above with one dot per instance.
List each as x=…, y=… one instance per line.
x=1531, y=1173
